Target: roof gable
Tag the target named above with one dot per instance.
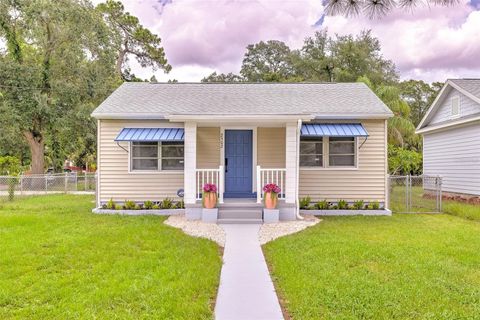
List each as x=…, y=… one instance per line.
x=468, y=91
x=316, y=99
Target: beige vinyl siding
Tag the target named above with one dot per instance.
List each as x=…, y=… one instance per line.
x=271, y=147
x=367, y=182
x=208, y=148
x=116, y=182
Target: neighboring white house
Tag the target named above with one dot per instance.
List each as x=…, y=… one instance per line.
x=324, y=140
x=451, y=137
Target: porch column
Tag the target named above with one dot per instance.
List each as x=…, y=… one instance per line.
x=190, y=142
x=291, y=162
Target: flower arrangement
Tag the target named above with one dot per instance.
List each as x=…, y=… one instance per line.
x=209, y=198
x=209, y=187
x=271, y=191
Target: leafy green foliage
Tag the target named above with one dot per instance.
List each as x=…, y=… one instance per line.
x=342, y=205
x=419, y=95
x=322, y=205
x=180, y=205
x=404, y=162
x=111, y=205
x=305, y=202
x=148, y=204
x=167, y=203
x=374, y=205
x=130, y=38
x=9, y=166
x=358, y=205
x=129, y=205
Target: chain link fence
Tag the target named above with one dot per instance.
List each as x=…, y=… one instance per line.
x=415, y=194
x=12, y=187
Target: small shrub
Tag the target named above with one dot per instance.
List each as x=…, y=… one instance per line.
x=335, y=207
x=118, y=207
x=342, y=205
x=110, y=204
x=305, y=202
x=156, y=207
x=138, y=207
x=148, y=205
x=322, y=205
x=129, y=205
x=374, y=205
x=358, y=205
x=180, y=205
x=167, y=203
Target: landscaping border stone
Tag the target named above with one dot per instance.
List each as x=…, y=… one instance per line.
x=155, y=212
x=382, y=212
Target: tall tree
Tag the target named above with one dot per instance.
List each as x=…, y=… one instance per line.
x=419, y=96
x=267, y=62
x=131, y=39
x=56, y=62
x=222, y=77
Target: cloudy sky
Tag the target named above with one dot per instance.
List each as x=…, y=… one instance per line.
x=202, y=36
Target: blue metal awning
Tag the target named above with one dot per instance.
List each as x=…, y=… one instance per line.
x=150, y=134
x=333, y=130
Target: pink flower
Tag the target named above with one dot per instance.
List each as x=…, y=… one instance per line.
x=209, y=187
x=271, y=187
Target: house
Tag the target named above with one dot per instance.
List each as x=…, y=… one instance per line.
x=324, y=140
x=451, y=137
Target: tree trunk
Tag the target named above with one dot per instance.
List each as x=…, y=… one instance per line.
x=37, y=149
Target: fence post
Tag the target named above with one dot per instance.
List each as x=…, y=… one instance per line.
x=409, y=190
x=85, y=181
x=21, y=184
x=65, y=182
x=46, y=184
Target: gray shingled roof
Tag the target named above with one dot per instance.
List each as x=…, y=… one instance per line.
x=470, y=85
x=316, y=99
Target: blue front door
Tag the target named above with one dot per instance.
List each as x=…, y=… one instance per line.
x=238, y=163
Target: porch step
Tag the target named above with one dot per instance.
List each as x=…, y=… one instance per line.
x=240, y=221
x=240, y=213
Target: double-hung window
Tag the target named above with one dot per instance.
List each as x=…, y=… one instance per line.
x=341, y=152
x=311, y=152
x=328, y=152
x=156, y=156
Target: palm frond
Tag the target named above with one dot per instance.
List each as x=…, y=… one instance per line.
x=378, y=8
x=335, y=7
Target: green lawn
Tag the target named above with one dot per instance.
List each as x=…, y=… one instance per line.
x=60, y=261
x=401, y=267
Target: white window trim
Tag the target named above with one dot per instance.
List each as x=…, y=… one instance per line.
x=326, y=155
x=454, y=116
x=159, y=171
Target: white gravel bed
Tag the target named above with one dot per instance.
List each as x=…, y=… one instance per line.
x=272, y=231
x=198, y=228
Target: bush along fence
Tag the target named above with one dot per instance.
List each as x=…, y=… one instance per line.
x=342, y=207
x=28, y=185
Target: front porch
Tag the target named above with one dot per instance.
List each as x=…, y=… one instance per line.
x=240, y=160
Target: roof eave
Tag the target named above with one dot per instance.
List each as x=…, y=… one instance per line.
x=447, y=125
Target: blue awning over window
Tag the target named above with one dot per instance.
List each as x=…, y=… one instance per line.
x=150, y=134
x=333, y=130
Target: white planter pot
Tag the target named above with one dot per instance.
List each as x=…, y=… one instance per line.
x=210, y=215
x=271, y=215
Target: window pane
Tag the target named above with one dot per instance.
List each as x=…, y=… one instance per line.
x=342, y=147
x=172, y=164
x=311, y=161
x=172, y=151
x=338, y=161
x=146, y=151
x=311, y=147
x=144, y=164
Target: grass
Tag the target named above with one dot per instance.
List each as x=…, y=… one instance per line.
x=422, y=204
x=400, y=267
x=59, y=261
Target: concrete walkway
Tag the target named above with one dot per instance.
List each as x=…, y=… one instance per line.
x=246, y=290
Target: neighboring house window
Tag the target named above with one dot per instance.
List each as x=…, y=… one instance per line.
x=328, y=152
x=153, y=156
x=341, y=152
x=455, y=106
x=311, y=153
